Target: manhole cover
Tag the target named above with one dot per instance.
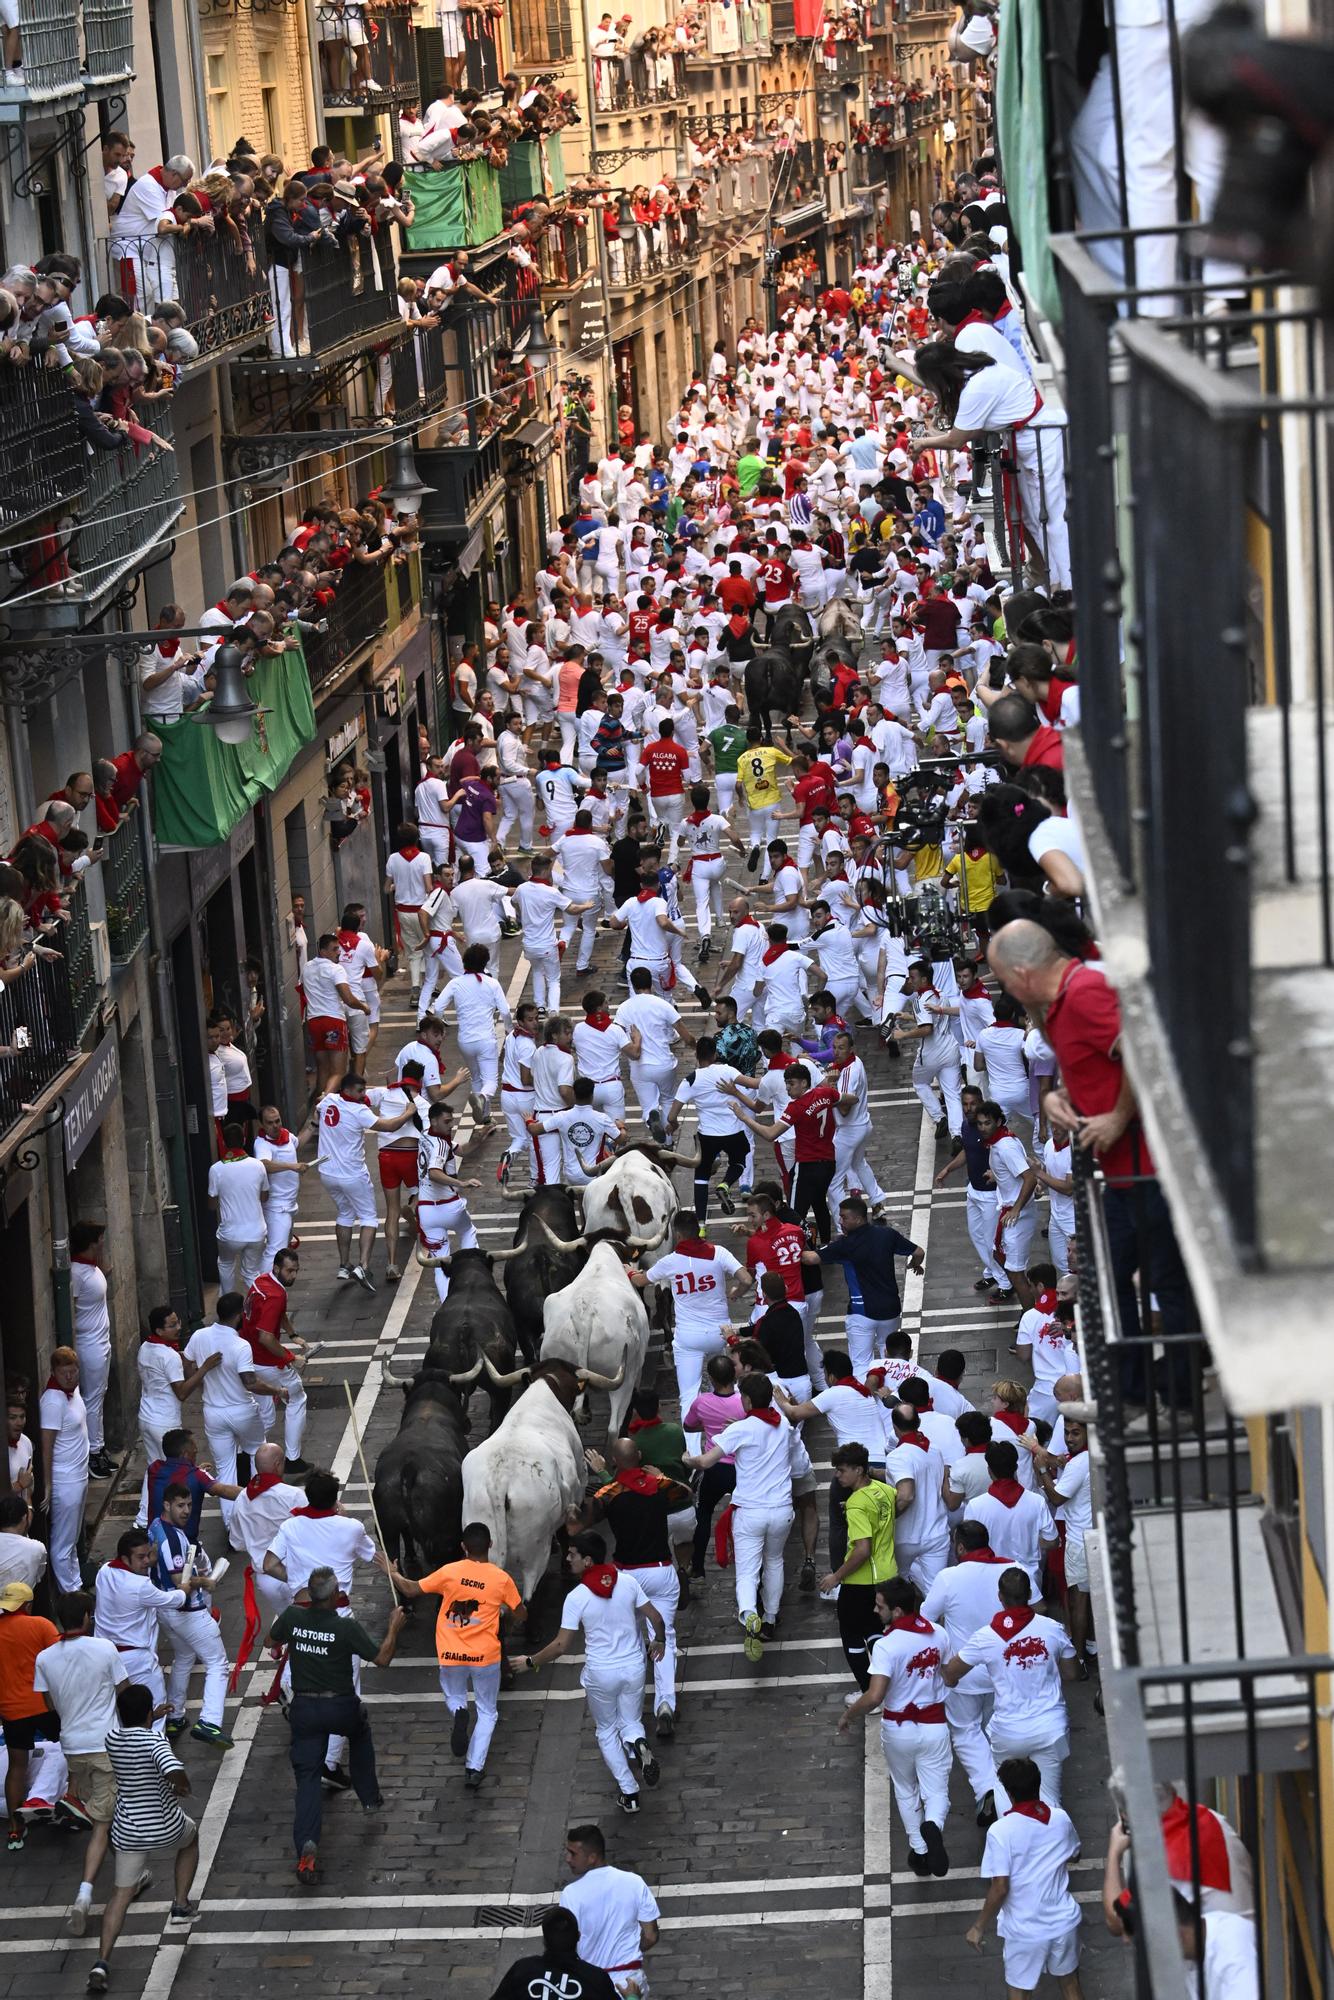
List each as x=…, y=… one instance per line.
x=511, y=1916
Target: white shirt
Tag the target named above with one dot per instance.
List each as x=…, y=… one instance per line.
x=128, y=1605
x=1002, y=1049
x=911, y=1662
x=698, y=1278
x=584, y=1132
x=284, y=1189
x=851, y=1082
x=717, y=1113
x=239, y=1188
x=1036, y=1857
x=159, y=1366
x=1229, y=1959
x=67, y=1417
x=1056, y=1160
x=787, y=882
x=320, y=983
x=22, y=1560
x=597, y=1051
x=517, y=1054
x=254, y=1523
x=81, y=1677
x=537, y=904
x=648, y=940
x=552, y=1068
x=613, y=1640
x=610, y=1904
x=964, y=1597
x=479, y=903
x=1076, y=1497
x=1025, y=1676
x=784, y=980
x=337, y=1542
x=92, y=1321
x=428, y=803
x=856, y=1419
x=1017, y=1532
x=225, y=1394
x=410, y=878
x=749, y=944
x=1008, y=1162
x=924, y=1524
x=765, y=1457
x=655, y=1019
x=1050, y=1348
x=344, y=1123
x=478, y=1001
x=20, y=1458
x=217, y=1085
x=418, y=1052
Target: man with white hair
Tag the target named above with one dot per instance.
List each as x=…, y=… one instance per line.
x=134, y=226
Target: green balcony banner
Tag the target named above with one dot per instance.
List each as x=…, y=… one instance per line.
x=203, y=788
x=457, y=206
x=1021, y=126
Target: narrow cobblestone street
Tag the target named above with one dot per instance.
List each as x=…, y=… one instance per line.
x=769, y=1841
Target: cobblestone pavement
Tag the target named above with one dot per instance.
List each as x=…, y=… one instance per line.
x=769, y=1842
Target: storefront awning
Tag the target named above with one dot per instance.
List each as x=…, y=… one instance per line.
x=471, y=553
x=203, y=788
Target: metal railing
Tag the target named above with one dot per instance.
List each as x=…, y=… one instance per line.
x=340, y=292
x=46, y=466
x=75, y=940
x=49, y=51
x=656, y=247
x=794, y=177
x=379, y=67
x=125, y=887
x=564, y=247
x=626, y=82
x=358, y=614
x=108, y=39
x=481, y=53
x=38, y=1035
x=219, y=278
x=134, y=495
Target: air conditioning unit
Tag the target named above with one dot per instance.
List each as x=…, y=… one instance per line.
x=101, y=953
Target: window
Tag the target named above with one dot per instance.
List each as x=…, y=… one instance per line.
x=218, y=90
x=540, y=31
x=271, y=102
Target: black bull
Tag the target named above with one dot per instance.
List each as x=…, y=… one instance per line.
x=534, y=1268
x=471, y=1341
x=418, y=1490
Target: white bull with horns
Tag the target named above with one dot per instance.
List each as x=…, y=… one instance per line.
x=522, y=1480
x=598, y=1325
x=632, y=1195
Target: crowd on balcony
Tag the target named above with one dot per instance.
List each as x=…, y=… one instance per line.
x=459, y=126
x=46, y=866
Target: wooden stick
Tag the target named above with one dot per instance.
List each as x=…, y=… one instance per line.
x=370, y=1491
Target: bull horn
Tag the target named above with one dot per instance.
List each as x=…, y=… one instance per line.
x=683, y=1159
x=645, y=1242
x=592, y=1381
x=389, y=1373
x=467, y=1375
x=515, y=1194
x=556, y=1242
x=504, y=1381
x=429, y=1263
x=503, y=1256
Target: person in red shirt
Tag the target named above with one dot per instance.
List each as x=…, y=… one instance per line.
x=1022, y=737
x=938, y=622
x=736, y=592
x=664, y=765
x=810, y=1116
x=815, y=786
x=640, y=623
x=265, y=1325
x=1077, y=1009
x=776, y=579
x=132, y=767
x=774, y=1246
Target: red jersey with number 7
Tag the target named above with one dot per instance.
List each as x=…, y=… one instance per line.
x=811, y=1117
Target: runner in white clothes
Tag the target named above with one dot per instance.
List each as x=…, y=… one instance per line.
x=275, y=1149
x=164, y=1385
x=430, y=804
x=92, y=1334
x=965, y=1596
x=586, y=1135
x=537, y=904
x=607, y=1605
x=553, y=1092
x=746, y=955
x=616, y=1913
x=650, y=924
x=698, y=1275
x=408, y=875
x=1027, y=1658
x=360, y=960
x=196, y=1639
x=768, y=1454
x=329, y=1001
x=1027, y=1862
x=1016, y=1181
x=720, y=1135
x=344, y=1119
x=937, y=1051
x=853, y=1172
x=64, y=1466
x=654, y=1028
x=705, y=832
x=232, y=1421
x=440, y=920
x=257, y=1515
x=585, y=860
x=906, y=1686
x=479, y=1003
x=238, y=1188
x=780, y=995
x=127, y=1606
x=1017, y=1519
x=441, y=1204
x=516, y=1092
x=598, y=1042
x=558, y=786
x=916, y=1471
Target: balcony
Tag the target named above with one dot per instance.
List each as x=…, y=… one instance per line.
x=467, y=478
x=40, y=1031
x=220, y=282
x=798, y=190
x=534, y=171
x=652, y=251
x=459, y=207
x=481, y=53
x=49, y=47
x=567, y=250
x=374, y=74
x=125, y=888
x=358, y=615
x=46, y=465
x=461, y=456
x=342, y=300
x=637, y=83
x=202, y=788
x=133, y=501
x=738, y=191
x=108, y=37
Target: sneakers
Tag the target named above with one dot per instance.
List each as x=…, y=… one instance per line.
x=752, y=860
x=806, y=1581
x=628, y=1801
x=76, y=1923
x=752, y=1645
x=983, y=1284
x=182, y=1913
x=935, y=1848
x=503, y=1170
x=176, y=1726
x=919, y=1863
x=35, y=1811
x=363, y=1278
x=295, y=1468
x=100, y=1466
x=16, y=1838
x=308, y=1867
x=458, y=1733
x=71, y=1811
x=703, y=995
x=209, y=1732
x=725, y=1200
x=336, y=1778
x=829, y=1597
x=392, y=1274
x=99, y=1978
x=656, y=1126
x=375, y=1805
x=1006, y=1298
x=649, y=1768
x=986, y=1811
x=705, y=949
x=664, y=1724
x=472, y=1780
x=344, y=1273
x=769, y=1630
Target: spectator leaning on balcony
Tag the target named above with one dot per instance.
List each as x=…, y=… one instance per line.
x=134, y=227
x=231, y=610
x=291, y=224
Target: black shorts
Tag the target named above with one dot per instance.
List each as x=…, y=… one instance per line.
x=712, y=1144
x=23, y=1733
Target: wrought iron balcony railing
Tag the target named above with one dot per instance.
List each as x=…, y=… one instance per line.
x=39, y=1035
x=368, y=56
x=630, y=82
x=48, y=66
x=46, y=466
x=220, y=280
x=133, y=497
x=125, y=888
x=340, y=295
x=357, y=616
x=108, y=39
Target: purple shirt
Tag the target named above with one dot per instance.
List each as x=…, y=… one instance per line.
x=478, y=799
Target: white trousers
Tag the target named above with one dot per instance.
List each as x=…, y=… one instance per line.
x=706, y=879
x=926, y=1074
x=669, y=811
x=443, y=962
x=196, y=1640
x=616, y=1704
x=586, y=923
x=652, y=1085
x=983, y=1206
x=94, y=1374
x=230, y=1431
x=280, y=1220
x=967, y=1714
x=144, y=1667
x=1049, y=1758
x=758, y=1540
x=609, y=1096
x=1058, y=1242
x=918, y=1758
x=544, y=967
x=435, y=1221
x=67, y=1498
x=662, y=1587
x=294, y=1416
x=852, y=1164
x=482, y=1059
x=923, y=1566
x=517, y=806
x=517, y=1106
x=353, y=1199
x=866, y=1341
x=690, y=1357
x=239, y=1264
x=485, y=1684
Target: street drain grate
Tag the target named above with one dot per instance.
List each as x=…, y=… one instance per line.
x=511, y=1916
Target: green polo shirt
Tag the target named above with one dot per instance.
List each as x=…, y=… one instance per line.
x=748, y=469
x=321, y=1646
x=870, y=1517
x=662, y=1445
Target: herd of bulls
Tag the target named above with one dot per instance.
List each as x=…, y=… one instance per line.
x=569, y=1318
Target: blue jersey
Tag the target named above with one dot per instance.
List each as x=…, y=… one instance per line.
x=867, y=1255
x=170, y=1548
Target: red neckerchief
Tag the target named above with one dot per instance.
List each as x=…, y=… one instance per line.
x=849, y=1382
x=316, y=1513
x=1009, y=1624
x=748, y=920
x=1046, y=1302
x=975, y=1451
x=1003, y=1133
x=347, y=940
x=156, y=1340
x=90, y=1259
x=977, y=991
x=765, y=1416
x=1215, y=1868
x=774, y=951
x=696, y=819
x=847, y=1063
x=118, y=1562
x=1008, y=1491
x=1034, y=1809
x=600, y=1579
x=781, y=1061
x=1011, y=1422
x=914, y=1438
x=262, y=1482
x=598, y=1021
x=168, y=648
x=52, y=1383
x=409, y=853
x=279, y=1138
x=646, y=895
x=906, y=1624
x=644, y=1424
x=242, y=1155
x=640, y=1479
x=984, y=1556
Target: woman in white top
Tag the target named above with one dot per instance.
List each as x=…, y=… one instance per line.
x=977, y=394
x=479, y=1002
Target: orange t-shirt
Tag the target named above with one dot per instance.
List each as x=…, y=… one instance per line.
x=22, y=1638
x=472, y=1596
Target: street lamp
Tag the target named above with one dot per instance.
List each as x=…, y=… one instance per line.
x=231, y=714
x=539, y=352
x=405, y=489
x=625, y=220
